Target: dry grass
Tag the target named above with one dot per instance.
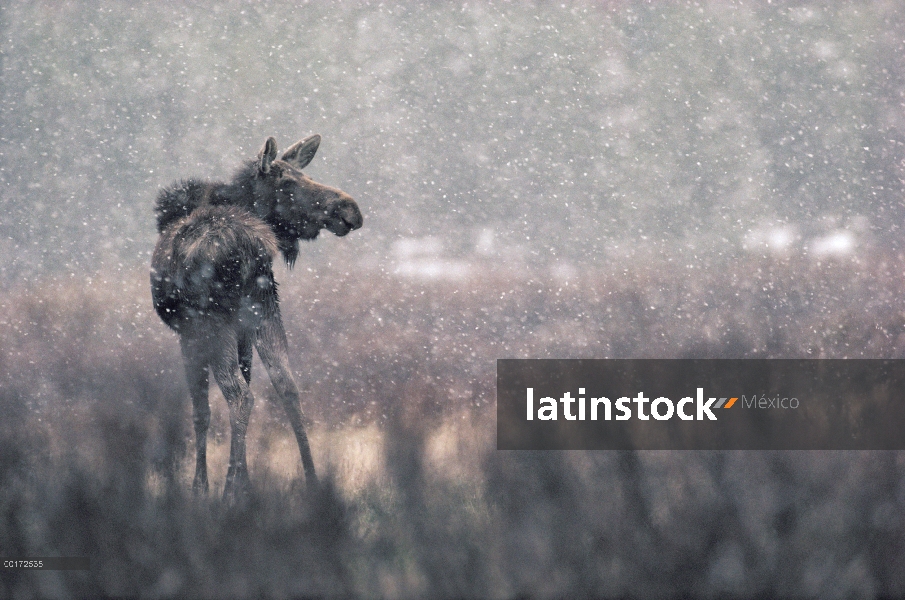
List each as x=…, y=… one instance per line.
x=397, y=377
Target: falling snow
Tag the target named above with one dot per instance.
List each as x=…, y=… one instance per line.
x=538, y=180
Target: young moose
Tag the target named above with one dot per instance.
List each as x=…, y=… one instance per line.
x=212, y=282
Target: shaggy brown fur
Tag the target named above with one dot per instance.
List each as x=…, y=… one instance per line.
x=212, y=282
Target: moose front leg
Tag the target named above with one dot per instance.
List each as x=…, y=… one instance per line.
x=273, y=350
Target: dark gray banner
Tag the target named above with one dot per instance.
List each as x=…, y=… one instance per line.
x=700, y=404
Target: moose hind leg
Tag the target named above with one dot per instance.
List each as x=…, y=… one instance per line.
x=272, y=348
x=245, y=352
x=195, y=358
x=226, y=371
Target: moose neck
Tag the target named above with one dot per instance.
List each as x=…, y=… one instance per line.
x=247, y=191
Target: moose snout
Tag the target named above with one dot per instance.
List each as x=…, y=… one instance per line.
x=345, y=217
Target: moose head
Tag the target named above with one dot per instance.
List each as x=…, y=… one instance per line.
x=293, y=204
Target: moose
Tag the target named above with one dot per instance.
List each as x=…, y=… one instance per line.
x=212, y=282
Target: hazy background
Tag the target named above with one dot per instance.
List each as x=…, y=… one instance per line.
x=580, y=132
x=538, y=180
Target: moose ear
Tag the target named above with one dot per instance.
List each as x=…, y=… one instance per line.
x=267, y=155
x=301, y=153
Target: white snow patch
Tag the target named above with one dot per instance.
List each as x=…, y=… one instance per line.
x=777, y=239
x=836, y=243
x=421, y=258
x=433, y=268
x=406, y=248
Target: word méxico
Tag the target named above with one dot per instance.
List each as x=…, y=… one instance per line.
x=661, y=408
